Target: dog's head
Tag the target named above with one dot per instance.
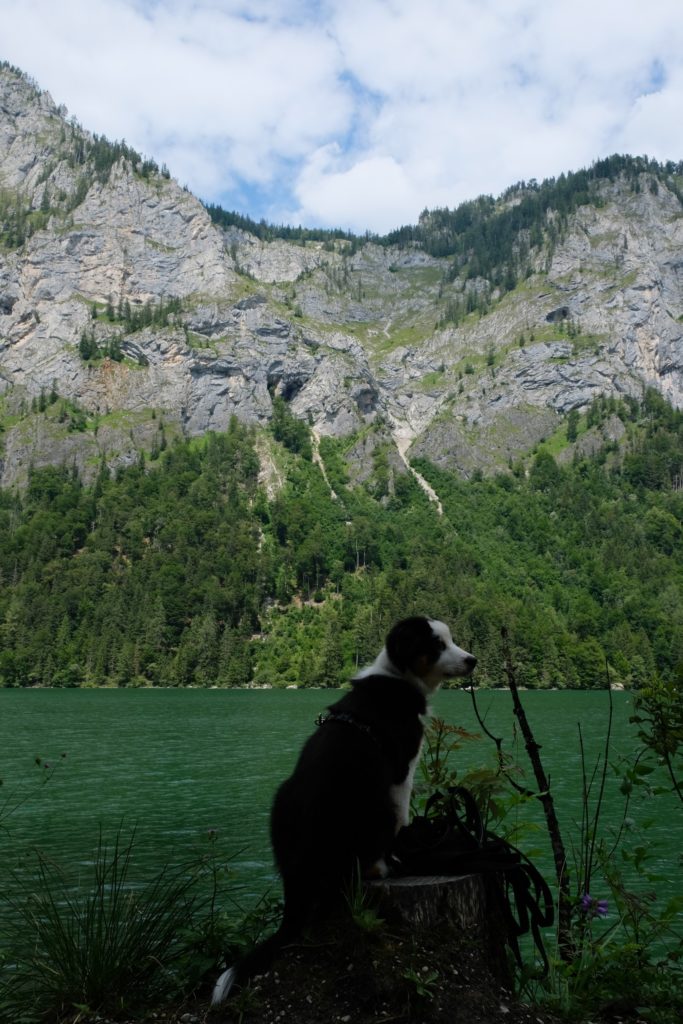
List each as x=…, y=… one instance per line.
x=424, y=648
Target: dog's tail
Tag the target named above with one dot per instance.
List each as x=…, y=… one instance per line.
x=259, y=959
x=255, y=962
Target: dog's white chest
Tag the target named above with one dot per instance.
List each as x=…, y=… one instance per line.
x=401, y=793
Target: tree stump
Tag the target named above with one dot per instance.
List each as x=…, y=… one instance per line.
x=465, y=903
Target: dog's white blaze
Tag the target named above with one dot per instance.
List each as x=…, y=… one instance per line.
x=221, y=989
x=453, y=661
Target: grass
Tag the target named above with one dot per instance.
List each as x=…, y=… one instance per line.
x=406, y=335
x=558, y=442
x=114, y=944
x=431, y=380
x=159, y=246
x=199, y=341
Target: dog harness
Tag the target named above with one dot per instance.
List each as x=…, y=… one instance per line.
x=343, y=716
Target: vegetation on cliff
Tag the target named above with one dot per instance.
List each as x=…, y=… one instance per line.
x=489, y=238
x=180, y=570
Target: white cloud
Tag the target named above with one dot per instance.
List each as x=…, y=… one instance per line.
x=478, y=95
x=655, y=119
x=374, y=190
x=361, y=112
x=172, y=77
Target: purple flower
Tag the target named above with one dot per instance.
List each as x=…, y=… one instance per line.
x=592, y=907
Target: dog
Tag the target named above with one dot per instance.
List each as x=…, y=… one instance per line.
x=349, y=794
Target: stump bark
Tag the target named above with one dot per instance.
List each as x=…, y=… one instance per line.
x=466, y=903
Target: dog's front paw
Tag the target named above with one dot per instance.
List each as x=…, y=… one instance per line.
x=377, y=870
x=395, y=864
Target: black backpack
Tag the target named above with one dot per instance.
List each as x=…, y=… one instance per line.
x=450, y=839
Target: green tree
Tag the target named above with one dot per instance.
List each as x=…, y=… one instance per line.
x=330, y=663
x=573, y=425
x=291, y=432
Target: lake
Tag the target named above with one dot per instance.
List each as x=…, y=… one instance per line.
x=179, y=764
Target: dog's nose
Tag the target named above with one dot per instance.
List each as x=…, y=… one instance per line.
x=470, y=662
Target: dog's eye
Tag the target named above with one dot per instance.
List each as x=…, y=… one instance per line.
x=442, y=645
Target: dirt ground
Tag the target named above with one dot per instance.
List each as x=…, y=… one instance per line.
x=362, y=978
x=350, y=975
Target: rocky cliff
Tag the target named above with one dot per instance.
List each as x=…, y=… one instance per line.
x=128, y=315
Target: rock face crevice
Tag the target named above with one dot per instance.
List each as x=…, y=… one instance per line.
x=348, y=337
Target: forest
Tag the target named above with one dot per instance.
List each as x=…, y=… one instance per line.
x=181, y=570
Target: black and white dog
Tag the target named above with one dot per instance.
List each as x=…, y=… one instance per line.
x=350, y=791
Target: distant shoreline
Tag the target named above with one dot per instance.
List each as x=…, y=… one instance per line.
x=614, y=688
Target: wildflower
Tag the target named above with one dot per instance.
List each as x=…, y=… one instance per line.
x=592, y=907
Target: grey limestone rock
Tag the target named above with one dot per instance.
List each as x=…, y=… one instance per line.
x=349, y=337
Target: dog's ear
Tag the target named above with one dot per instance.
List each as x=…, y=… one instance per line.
x=408, y=641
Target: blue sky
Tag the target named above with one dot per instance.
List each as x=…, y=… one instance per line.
x=360, y=113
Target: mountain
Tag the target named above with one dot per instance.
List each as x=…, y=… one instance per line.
x=315, y=434
x=130, y=313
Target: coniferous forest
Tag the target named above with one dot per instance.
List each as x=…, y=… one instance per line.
x=182, y=570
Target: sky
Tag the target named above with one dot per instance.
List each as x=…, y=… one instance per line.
x=358, y=114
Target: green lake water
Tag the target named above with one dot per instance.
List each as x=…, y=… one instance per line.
x=179, y=764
